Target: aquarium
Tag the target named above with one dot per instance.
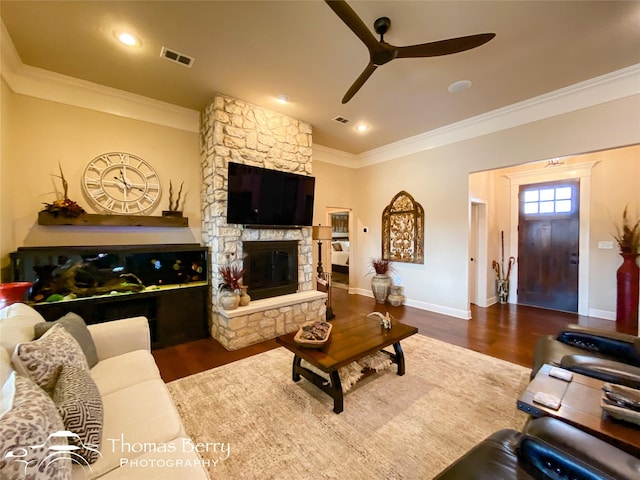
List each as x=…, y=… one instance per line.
x=74, y=272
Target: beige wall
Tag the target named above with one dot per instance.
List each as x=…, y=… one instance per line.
x=334, y=189
x=38, y=133
x=614, y=184
x=439, y=180
x=6, y=232
x=5, y=197
x=43, y=133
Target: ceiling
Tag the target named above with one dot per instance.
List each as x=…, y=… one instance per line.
x=256, y=50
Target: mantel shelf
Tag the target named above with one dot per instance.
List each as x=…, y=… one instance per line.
x=97, y=220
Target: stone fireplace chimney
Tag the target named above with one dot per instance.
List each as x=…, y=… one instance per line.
x=233, y=130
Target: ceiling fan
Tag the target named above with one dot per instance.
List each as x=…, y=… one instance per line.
x=381, y=52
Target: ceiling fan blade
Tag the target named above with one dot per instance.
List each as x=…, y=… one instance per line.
x=444, y=47
x=353, y=21
x=359, y=82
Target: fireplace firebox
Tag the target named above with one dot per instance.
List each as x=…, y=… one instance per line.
x=271, y=268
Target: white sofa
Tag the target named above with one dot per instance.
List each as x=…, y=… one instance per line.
x=142, y=433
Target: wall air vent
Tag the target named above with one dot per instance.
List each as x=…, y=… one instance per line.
x=342, y=120
x=177, y=57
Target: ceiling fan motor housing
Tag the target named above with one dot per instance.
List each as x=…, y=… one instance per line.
x=381, y=26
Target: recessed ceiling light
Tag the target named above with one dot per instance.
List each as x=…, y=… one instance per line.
x=127, y=39
x=362, y=127
x=459, y=86
x=282, y=98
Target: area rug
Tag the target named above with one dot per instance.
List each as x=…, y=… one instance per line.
x=252, y=421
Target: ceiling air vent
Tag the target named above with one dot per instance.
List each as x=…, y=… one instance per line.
x=177, y=57
x=342, y=120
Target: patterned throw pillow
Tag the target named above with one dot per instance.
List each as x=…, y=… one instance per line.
x=42, y=359
x=76, y=326
x=78, y=400
x=33, y=421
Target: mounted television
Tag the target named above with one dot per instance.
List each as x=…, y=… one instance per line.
x=261, y=197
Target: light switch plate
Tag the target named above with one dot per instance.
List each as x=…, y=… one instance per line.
x=605, y=245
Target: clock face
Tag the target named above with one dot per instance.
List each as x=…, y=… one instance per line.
x=119, y=182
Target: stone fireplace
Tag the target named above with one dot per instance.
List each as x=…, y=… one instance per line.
x=233, y=130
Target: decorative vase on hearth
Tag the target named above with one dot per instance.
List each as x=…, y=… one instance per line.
x=244, y=296
x=380, y=284
x=229, y=299
x=628, y=286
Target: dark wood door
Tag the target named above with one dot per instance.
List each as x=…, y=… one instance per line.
x=548, y=241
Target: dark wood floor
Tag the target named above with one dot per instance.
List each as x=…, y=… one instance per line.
x=508, y=332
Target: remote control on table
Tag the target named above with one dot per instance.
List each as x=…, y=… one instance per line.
x=547, y=400
x=561, y=373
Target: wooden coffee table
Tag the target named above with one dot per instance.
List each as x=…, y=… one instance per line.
x=351, y=339
x=580, y=406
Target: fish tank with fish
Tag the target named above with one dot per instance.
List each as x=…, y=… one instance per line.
x=76, y=272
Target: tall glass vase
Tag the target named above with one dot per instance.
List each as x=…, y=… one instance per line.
x=628, y=287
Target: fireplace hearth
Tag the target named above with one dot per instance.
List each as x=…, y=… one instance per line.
x=271, y=268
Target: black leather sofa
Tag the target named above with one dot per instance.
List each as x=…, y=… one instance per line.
x=609, y=356
x=546, y=449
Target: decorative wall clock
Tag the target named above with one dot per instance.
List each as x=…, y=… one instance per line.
x=118, y=182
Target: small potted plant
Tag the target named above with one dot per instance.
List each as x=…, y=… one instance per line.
x=381, y=281
x=230, y=287
x=64, y=207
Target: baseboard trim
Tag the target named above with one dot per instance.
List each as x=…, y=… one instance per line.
x=604, y=314
x=430, y=307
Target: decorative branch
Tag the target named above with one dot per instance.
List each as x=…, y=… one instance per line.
x=628, y=234
x=172, y=207
x=65, y=184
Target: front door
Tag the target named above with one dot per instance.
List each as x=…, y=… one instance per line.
x=548, y=241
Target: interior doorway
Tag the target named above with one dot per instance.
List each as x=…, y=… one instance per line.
x=478, y=289
x=341, y=245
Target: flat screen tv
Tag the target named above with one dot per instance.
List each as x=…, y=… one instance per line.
x=261, y=197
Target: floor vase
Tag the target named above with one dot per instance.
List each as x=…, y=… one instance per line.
x=502, y=287
x=395, y=297
x=380, y=284
x=628, y=288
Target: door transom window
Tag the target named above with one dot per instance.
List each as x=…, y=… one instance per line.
x=548, y=200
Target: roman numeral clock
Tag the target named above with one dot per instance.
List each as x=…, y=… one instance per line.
x=121, y=183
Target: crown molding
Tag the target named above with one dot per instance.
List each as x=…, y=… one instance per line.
x=336, y=157
x=39, y=83
x=605, y=88
x=36, y=82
